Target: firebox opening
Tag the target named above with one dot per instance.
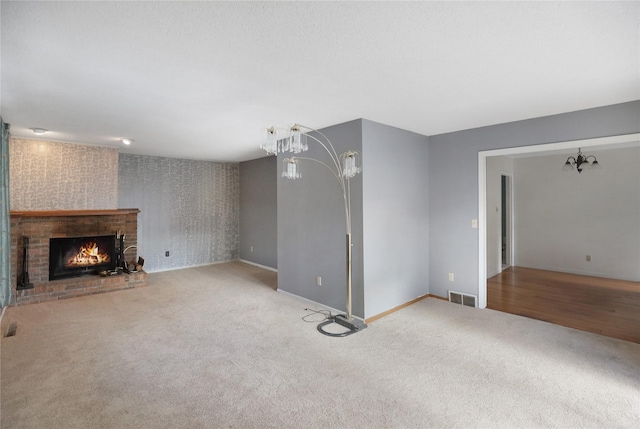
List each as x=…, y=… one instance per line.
x=78, y=256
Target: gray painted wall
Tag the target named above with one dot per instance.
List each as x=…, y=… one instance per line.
x=453, y=181
x=395, y=216
x=187, y=207
x=562, y=216
x=311, y=226
x=389, y=222
x=258, y=211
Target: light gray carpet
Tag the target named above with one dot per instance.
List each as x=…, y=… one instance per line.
x=217, y=347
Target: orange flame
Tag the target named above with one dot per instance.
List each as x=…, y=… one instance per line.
x=88, y=255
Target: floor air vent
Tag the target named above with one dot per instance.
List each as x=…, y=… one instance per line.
x=462, y=298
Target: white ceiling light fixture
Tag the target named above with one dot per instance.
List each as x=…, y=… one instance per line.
x=126, y=141
x=38, y=131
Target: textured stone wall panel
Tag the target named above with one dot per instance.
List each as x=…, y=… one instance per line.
x=189, y=208
x=61, y=176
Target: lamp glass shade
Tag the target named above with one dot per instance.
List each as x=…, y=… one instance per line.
x=568, y=166
x=270, y=143
x=297, y=141
x=350, y=164
x=291, y=168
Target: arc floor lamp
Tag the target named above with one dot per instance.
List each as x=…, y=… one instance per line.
x=343, y=167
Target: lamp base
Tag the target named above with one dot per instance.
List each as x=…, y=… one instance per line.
x=354, y=325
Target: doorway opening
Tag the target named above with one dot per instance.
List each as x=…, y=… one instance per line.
x=482, y=190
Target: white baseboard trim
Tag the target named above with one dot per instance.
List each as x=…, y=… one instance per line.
x=258, y=265
x=188, y=266
x=317, y=304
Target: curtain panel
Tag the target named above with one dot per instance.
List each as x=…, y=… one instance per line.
x=5, y=221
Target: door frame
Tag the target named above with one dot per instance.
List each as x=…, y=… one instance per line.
x=482, y=189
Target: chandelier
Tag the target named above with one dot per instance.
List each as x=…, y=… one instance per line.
x=343, y=167
x=581, y=161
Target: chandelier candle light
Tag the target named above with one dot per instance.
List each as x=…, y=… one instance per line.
x=343, y=168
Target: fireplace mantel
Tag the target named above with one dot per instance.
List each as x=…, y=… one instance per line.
x=61, y=213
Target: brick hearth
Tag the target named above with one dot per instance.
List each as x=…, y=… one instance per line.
x=40, y=226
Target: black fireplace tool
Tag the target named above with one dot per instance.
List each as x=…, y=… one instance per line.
x=120, y=265
x=24, y=282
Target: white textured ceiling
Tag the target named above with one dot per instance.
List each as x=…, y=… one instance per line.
x=204, y=79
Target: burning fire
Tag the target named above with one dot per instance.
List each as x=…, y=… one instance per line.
x=88, y=255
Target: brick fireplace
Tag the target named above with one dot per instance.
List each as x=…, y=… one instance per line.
x=40, y=226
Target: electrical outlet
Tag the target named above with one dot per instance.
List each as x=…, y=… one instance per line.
x=166, y=253
x=474, y=223
x=251, y=249
x=319, y=281
x=588, y=258
x=450, y=277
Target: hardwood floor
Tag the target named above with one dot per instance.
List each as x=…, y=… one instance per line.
x=603, y=306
